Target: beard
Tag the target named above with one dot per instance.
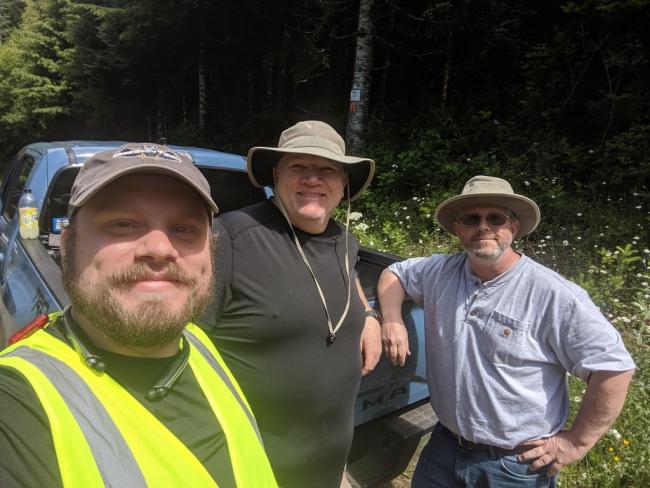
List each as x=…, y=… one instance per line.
x=490, y=254
x=153, y=323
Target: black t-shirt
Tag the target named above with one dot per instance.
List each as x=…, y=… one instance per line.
x=27, y=456
x=271, y=330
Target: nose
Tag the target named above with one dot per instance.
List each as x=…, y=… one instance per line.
x=483, y=224
x=311, y=176
x=156, y=245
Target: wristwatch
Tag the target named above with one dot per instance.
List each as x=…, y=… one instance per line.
x=374, y=313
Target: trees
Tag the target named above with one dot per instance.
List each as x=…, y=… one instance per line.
x=10, y=12
x=361, y=79
x=34, y=92
x=496, y=75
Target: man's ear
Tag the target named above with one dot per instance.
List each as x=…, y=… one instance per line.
x=456, y=228
x=64, y=242
x=514, y=226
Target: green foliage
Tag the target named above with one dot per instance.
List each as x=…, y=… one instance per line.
x=33, y=91
x=621, y=457
x=459, y=87
x=10, y=12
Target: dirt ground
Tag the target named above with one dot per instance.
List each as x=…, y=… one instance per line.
x=404, y=480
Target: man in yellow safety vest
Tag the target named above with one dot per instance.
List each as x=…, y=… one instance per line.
x=121, y=389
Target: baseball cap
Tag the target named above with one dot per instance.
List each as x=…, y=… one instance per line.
x=105, y=167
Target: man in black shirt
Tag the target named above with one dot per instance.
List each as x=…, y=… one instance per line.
x=290, y=311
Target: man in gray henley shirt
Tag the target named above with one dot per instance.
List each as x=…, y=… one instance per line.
x=502, y=331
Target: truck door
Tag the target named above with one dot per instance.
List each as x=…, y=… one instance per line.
x=12, y=187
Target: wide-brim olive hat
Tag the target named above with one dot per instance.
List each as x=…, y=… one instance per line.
x=105, y=167
x=315, y=138
x=492, y=192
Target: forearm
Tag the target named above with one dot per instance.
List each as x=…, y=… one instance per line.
x=362, y=295
x=601, y=405
x=370, y=336
x=391, y=296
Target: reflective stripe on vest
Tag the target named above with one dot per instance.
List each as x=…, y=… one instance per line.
x=214, y=363
x=116, y=441
x=68, y=430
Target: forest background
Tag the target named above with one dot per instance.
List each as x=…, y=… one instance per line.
x=553, y=96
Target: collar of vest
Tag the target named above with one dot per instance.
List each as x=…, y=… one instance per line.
x=93, y=356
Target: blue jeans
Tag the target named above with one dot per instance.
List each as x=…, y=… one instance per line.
x=444, y=464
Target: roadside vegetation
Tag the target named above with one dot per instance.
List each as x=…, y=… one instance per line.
x=552, y=96
x=594, y=231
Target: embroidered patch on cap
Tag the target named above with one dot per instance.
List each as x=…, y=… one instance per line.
x=147, y=152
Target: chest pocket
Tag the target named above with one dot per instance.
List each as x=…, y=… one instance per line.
x=504, y=339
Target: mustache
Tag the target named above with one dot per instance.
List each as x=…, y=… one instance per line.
x=141, y=272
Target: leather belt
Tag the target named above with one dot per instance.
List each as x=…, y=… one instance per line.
x=469, y=445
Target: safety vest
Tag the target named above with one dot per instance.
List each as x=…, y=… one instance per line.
x=104, y=437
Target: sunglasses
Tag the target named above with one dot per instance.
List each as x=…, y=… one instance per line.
x=493, y=219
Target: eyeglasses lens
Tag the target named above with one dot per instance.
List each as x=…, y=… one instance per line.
x=493, y=219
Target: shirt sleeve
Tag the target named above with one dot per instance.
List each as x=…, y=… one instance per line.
x=223, y=278
x=587, y=342
x=353, y=245
x=28, y=456
x=412, y=273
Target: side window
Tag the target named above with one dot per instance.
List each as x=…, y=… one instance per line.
x=16, y=184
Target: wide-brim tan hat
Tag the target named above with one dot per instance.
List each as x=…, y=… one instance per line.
x=492, y=192
x=315, y=138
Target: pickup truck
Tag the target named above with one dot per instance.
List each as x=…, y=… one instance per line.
x=392, y=411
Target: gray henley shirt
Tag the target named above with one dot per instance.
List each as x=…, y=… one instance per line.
x=497, y=352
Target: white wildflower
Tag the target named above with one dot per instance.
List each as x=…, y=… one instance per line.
x=361, y=227
x=615, y=433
